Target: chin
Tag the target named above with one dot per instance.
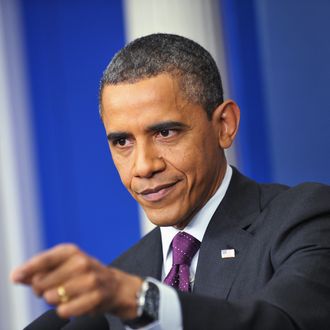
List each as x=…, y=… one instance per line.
x=162, y=222
x=158, y=219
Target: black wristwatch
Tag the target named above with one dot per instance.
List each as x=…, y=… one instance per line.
x=148, y=305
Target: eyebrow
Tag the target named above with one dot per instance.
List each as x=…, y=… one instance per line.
x=117, y=136
x=152, y=128
x=166, y=125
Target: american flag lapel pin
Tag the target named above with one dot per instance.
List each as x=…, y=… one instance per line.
x=227, y=253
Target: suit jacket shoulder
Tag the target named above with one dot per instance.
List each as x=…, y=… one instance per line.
x=281, y=239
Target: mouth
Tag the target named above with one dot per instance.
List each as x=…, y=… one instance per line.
x=157, y=193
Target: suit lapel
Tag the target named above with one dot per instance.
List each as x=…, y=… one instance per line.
x=227, y=230
x=149, y=259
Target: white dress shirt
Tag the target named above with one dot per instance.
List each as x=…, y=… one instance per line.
x=170, y=316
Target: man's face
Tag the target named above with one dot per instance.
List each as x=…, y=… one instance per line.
x=165, y=149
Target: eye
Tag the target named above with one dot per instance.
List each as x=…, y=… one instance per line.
x=122, y=142
x=164, y=132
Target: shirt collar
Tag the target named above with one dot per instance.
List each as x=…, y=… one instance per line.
x=197, y=226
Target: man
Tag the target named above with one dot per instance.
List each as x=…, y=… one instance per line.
x=254, y=256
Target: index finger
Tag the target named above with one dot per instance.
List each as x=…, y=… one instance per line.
x=43, y=263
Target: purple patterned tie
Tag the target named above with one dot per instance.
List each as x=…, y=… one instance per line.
x=184, y=247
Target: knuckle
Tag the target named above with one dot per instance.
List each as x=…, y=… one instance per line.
x=70, y=248
x=93, y=280
x=48, y=259
x=82, y=263
x=37, y=286
x=48, y=297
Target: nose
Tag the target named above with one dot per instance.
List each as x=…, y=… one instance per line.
x=147, y=161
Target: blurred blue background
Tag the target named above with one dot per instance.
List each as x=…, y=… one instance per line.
x=68, y=44
x=276, y=56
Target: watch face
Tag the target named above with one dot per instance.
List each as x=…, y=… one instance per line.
x=151, y=303
x=148, y=305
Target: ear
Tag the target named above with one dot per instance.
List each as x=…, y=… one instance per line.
x=225, y=119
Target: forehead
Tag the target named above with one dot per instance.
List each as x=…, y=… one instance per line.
x=149, y=98
x=160, y=88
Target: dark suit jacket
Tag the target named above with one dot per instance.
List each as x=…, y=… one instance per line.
x=280, y=277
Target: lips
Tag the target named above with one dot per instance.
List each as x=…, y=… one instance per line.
x=157, y=193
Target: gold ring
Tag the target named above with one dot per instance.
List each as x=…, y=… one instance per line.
x=61, y=292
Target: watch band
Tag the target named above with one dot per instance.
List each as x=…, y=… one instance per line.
x=148, y=305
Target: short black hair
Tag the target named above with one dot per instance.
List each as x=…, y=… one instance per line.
x=154, y=54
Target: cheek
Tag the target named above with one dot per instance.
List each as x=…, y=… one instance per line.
x=123, y=168
x=196, y=161
x=183, y=160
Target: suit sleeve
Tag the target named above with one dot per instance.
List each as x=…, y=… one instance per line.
x=298, y=294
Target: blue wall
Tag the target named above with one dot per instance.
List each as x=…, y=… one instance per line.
x=68, y=44
x=278, y=55
x=247, y=87
x=295, y=49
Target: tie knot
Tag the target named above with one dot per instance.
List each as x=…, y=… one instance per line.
x=184, y=248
